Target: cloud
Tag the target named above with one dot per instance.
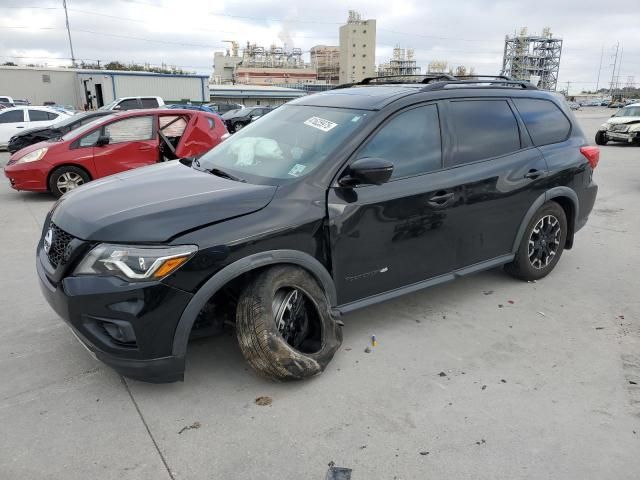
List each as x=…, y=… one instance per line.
x=186, y=32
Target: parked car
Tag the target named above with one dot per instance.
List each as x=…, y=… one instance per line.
x=189, y=106
x=238, y=119
x=623, y=126
x=223, y=108
x=15, y=119
x=115, y=143
x=21, y=102
x=574, y=105
x=6, y=101
x=134, y=103
x=57, y=130
x=616, y=104
x=336, y=201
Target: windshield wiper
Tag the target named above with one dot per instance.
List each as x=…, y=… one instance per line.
x=223, y=174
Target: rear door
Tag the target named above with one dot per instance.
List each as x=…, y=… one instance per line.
x=497, y=175
x=133, y=143
x=42, y=118
x=11, y=122
x=149, y=102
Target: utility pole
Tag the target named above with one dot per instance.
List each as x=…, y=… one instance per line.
x=66, y=16
x=619, y=65
x=568, y=86
x=613, y=73
x=599, y=69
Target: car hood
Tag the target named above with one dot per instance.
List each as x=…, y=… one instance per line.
x=154, y=204
x=622, y=120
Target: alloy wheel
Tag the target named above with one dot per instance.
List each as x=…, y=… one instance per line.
x=544, y=242
x=294, y=316
x=68, y=181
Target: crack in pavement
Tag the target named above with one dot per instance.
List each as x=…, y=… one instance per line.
x=144, y=422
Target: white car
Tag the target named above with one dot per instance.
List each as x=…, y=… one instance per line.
x=623, y=126
x=134, y=103
x=16, y=119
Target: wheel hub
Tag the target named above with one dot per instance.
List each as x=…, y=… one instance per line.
x=544, y=241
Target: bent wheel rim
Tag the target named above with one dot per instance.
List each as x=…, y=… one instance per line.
x=68, y=181
x=544, y=242
x=296, y=319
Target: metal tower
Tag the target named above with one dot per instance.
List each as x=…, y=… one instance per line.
x=535, y=58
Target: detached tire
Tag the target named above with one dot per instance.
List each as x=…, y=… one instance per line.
x=284, y=325
x=67, y=178
x=542, y=244
x=601, y=138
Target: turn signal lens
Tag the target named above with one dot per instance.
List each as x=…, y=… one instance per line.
x=169, y=266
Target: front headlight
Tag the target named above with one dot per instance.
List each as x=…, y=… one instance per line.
x=33, y=156
x=135, y=263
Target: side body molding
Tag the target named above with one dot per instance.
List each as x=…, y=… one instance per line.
x=541, y=200
x=228, y=273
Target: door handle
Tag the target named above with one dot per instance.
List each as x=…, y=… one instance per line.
x=19, y=127
x=144, y=149
x=533, y=174
x=441, y=199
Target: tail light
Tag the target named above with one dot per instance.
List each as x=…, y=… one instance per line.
x=592, y=154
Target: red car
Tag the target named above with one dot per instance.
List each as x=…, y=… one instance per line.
x=112, y=144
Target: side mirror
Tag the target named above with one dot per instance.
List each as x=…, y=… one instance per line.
x=102, y=141
x=117, y=107
x=367, y=171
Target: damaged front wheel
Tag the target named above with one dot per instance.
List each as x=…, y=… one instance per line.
x=284, y=325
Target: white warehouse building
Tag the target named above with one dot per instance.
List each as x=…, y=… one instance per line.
x=94, y=88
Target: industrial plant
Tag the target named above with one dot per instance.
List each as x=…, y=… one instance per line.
x=534, y=58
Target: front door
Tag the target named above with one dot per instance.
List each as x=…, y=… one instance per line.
x=388, y=236
x=132, y=143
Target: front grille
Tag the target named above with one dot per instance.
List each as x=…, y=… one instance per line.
x=59, y=250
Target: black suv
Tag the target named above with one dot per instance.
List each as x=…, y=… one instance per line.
x=339, y=200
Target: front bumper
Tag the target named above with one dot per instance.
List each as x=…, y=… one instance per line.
x=149, y=312
x=627, y=137
x=27, y=177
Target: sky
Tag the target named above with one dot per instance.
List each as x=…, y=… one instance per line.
x=186, y=33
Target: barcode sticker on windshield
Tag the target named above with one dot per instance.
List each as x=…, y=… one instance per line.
x=320, y=124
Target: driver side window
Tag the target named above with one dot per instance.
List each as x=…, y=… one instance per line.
x=411, y=140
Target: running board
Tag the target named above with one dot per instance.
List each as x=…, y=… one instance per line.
x=414, y=287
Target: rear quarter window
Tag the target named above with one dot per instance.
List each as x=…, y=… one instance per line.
x=544, y=120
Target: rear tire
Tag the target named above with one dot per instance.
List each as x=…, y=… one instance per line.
x=284, y=325
x=67, y=178
x=542, y=244
x=601, y=138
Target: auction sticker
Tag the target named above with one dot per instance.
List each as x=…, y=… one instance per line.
x=320, y=124
x=297, y=170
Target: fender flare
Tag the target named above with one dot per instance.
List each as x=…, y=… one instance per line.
x=244, y=265
x=541, y=200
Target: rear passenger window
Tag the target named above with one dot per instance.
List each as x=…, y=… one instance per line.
x=483, y=129
x=411, y=140
x=544, y=120
x=38, y=116
x=149, y=103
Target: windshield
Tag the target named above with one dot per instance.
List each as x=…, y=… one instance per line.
x=288, y=143
x=628, y=112
x=85, y=128
x=71, y=120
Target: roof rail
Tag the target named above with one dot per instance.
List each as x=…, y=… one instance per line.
x=471, y=77
x=401, y=79
x=487, y=83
